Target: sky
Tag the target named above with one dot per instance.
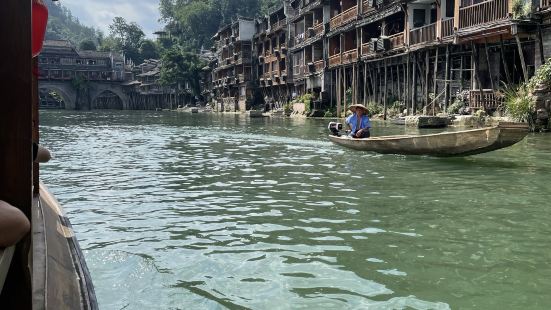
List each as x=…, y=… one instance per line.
x=100, y=13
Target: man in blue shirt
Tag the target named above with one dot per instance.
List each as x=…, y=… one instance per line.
x=358, y=122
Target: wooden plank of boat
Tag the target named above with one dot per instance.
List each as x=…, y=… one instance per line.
x=61, y=279
x=458, y=143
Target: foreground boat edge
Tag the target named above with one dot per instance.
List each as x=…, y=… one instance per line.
x=61, y=279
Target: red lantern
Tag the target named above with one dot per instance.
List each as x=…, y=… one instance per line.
x=40, y=21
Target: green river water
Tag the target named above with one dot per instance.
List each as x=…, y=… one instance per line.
x=205, y=211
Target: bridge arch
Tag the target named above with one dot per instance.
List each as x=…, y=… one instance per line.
x=100, y=90
x=107, y=100
x=68, y=96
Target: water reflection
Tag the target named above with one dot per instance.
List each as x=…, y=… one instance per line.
x=182, y=211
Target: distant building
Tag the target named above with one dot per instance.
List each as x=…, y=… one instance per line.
x=60, y=60
x=233, y=75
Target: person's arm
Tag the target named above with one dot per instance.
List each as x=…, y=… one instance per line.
x=14, y=225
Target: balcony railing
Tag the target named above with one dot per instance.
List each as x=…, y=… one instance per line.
x=485, y=100
x=279, y=24
x=544, y=4
x=447, y=27
x=298, y=71
x=318, y=28
x=366, y=8
x=319, y=65
x=481, y=13
x=343, y=18
x=396, y=40
x=299, y=38
x=349, y=56
x=334, y=60
x=422, y=34
x=366, y=50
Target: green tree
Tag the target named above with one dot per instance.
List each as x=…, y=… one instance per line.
x=126, y=38
x=181, y=67
x=148, y=50
x=87, y=45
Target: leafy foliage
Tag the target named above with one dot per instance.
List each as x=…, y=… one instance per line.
x=181, y=66
x=521, y=8
x=87, y=45
x=456, y=106
x=62, y=25
x=373, y=108
x=194, y=22
x=125, y=37
x=542, y=76
x=519, y=103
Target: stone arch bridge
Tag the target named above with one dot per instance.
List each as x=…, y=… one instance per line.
x=83, y=100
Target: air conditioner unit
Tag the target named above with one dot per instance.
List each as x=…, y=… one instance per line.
x=373, y=45
x=383, y=44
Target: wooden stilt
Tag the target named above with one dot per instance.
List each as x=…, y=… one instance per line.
x=461, y=68
x=435, y=81
x=522, y=60
x=414, y=85
x=540, y=39
x=476, y=68
x=385, y=91
x=400, y=95
x=365, y=88
x=447, y=79
x=489, y=64
x=407, y=84
x=427, y=72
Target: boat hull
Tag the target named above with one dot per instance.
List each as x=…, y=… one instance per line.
x=460, y=143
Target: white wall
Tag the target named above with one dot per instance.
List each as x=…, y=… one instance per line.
x=246, y=30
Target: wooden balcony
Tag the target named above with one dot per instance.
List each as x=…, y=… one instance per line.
x=298, y=71
x=485, y=100
x=349, y=57
x=366, y=8
x=481, y=13
x=318, y=29
x=545, y=4
x=343, y=18
x=396, y=40
x=319, y=65
x=446, y=27
x=334, y=60
x=366, y=49
x=423, y=34
x=299, y=38
x=279, y=24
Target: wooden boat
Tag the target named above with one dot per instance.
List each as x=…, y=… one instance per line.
x=46, y=269
x=458, y=143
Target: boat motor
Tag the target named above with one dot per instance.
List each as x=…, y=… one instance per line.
x=335, y=127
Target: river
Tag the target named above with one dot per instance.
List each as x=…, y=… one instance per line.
x=206, y=211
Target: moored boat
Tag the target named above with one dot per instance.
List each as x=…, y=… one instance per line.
x=446, y=144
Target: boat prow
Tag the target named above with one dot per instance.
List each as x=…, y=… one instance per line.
x=447, y=144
